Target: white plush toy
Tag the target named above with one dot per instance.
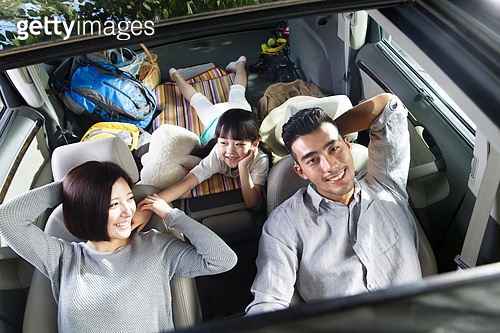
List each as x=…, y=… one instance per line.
x=168, y=156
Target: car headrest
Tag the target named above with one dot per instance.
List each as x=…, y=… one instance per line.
x=333, y=106
x=64, y=158
x=271, y=127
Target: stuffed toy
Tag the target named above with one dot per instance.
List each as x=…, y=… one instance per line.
x=169, y=156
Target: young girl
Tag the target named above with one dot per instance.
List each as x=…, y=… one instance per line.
x=237, y=152
x=116, y=280
x=207, y=112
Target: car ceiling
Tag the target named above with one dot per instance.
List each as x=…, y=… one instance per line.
x=186, y=27
x=461, y=40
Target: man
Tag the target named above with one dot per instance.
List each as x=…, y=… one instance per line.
x=343, y=234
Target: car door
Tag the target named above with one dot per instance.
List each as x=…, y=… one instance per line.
x=459, y=114
x=437, y=192
x=25, y=164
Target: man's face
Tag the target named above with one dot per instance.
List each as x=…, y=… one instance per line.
x=325, y=158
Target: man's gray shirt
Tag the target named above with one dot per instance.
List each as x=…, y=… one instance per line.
x=331, y=250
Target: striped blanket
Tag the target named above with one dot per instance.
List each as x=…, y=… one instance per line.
x=175, y=110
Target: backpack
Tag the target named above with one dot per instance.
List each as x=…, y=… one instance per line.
x=137, y=139
x=104, y=92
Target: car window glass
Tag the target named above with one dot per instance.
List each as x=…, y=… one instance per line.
x=447, y=105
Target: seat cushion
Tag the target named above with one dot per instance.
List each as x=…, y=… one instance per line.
x=113, y=149
x=271, y=126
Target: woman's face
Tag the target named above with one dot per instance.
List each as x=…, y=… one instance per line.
x=232, y=151
x=121, y=209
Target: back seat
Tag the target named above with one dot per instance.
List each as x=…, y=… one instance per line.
x=216, y=202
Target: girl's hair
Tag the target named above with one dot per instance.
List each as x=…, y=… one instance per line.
x=86, y=198
x=237, y=124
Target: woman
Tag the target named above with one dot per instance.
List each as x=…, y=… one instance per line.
x=116, y=280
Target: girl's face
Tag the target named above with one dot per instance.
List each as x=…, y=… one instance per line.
x=233, y=151
x=121, y=210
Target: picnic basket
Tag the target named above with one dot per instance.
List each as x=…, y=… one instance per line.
x=150, y=73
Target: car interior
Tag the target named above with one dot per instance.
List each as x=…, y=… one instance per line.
x=348, y=58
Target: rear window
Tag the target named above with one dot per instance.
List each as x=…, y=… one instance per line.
x=23, y=22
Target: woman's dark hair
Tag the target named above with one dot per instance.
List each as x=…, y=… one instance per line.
x=238, y=124
x=302, y=123
x=86, y=198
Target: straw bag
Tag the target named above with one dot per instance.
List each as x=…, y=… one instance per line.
x=150, y=73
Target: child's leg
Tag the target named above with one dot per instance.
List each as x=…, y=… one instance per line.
x=187, y=90
x=238, y=67
x=205, y=110
x=203, y=107
x=237, y=98
x=237, y=92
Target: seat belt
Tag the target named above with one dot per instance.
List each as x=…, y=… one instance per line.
x=348, y=17
x=481, y=212
x=35, y=72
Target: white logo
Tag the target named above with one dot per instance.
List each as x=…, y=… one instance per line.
x=123, y=29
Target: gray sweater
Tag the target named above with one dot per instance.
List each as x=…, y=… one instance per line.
x=122, y=291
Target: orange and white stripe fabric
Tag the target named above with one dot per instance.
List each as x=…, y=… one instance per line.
x=175, y=110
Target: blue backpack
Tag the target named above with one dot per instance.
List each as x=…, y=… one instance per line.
x=103, y=92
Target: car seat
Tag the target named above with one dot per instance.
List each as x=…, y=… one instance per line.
x=334, y=106
x=283, y=182
x=41, y=309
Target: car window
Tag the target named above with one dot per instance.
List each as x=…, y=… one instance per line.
x=431, y=91
x=2, y=106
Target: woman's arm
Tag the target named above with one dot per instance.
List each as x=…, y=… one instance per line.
x=207, y=254
x=24, y=237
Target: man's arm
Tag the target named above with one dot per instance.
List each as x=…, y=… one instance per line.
x=277, y=265
x=362, y=115
x=389, y=147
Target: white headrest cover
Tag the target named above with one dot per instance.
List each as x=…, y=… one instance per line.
x=333, y=106
x=113, y=149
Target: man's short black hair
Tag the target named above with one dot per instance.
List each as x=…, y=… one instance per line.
x=302, y=123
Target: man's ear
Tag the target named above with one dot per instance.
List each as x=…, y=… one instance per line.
x=298, y=170
x=346, y=140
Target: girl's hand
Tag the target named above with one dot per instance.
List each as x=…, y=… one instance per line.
x=155, y=204
x=245, y=161
x=140, y=219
